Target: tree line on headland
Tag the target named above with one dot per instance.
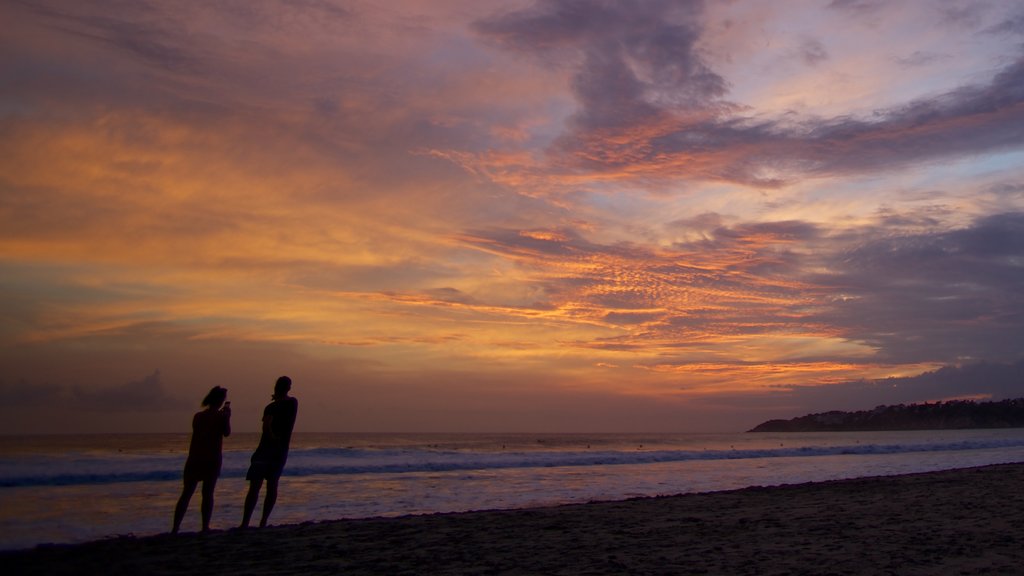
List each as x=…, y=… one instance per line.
x=950, y=415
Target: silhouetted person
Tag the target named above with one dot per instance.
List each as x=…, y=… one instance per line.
x=269, y=458
x=209, y=427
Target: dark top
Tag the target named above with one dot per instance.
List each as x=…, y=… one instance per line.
x=209, y=427
x=278, y=421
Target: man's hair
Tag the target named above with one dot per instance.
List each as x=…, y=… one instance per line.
x=282, y=386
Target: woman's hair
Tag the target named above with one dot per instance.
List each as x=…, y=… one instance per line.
x=216, y=396
x=281, y=387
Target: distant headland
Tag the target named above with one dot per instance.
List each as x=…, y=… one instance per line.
x=952, y=415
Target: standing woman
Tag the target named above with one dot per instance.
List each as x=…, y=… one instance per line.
x=209, y=427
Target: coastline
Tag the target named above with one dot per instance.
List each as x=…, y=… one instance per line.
x=963, y=521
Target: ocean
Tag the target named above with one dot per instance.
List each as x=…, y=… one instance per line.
x=65, y=489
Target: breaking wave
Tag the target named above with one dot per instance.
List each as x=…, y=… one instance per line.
x=107, y=469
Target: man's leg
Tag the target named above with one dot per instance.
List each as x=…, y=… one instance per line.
x=250, y=500
x=269, y=500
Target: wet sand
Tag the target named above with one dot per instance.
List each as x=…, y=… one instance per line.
x=968, y=521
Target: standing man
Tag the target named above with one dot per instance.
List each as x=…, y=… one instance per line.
x=269, y=458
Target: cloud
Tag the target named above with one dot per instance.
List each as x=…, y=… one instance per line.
x=1013, y=25
x=734, y=283
x=920, y=58
x=923, y=295
x=979, y=381
x=650, y=105
x=132, y=27
x=321, y=8
x=813, y=52
x=962, y=16
x=145, y=395
x=967, y=120
x=860, y=7
x=945, y=295
x=632, y=60
x=419, y=188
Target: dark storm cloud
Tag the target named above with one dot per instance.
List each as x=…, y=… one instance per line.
x=648, y=100
x=633, y=60
x=944, y=296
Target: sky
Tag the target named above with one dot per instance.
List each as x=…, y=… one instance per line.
x=507, y=216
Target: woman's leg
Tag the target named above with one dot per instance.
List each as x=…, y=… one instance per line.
x=207, y=505
x=188, y=488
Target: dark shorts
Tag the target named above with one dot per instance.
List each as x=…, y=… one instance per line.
x=201, y=470
x=264, y=470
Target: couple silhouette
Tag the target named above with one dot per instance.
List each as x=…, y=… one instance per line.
x=209, y=428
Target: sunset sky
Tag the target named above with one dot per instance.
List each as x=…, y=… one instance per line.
x=466, y=215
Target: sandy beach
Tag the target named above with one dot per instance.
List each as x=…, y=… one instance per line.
x=953, y=522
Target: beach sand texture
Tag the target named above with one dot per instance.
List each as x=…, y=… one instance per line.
x=968, y=521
